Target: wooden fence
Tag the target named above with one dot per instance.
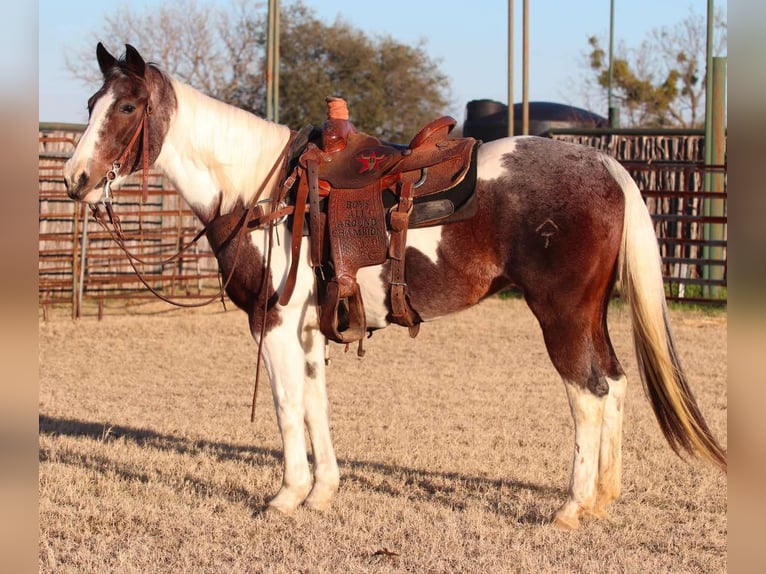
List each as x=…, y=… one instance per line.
x=79, y=262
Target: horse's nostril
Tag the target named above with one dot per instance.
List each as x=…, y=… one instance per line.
x=73, y=188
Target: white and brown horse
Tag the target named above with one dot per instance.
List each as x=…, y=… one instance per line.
x=561, y=222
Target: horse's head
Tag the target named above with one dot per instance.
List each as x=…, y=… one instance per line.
x=120, y=138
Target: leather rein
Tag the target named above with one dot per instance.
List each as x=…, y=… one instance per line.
x=250, y=221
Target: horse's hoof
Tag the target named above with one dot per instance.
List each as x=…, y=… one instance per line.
x=318, y=503
x=562, y=522
x=274, y=510
x=568, y=516
x=284, y=505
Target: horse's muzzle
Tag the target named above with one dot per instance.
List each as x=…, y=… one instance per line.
x=75, y=189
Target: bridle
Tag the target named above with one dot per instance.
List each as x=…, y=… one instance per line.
x=111, y=174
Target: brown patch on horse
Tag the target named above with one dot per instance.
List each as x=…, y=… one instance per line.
x=163, y=104
x=565, y=248
x=236, y=254
x=555, y=210
x=469, y=267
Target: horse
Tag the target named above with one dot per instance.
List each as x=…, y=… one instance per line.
x=560, y=222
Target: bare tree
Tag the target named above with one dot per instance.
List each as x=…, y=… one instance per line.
x=392, y=88
x=662, y=82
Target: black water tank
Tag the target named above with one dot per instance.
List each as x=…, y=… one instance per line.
x=487, y=120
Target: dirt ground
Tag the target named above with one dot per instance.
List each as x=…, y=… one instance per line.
x=454, y=448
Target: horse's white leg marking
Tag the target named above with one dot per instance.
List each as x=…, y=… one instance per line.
x=283, y=357
x=588, y=414
x=326, y=474
x=610, y=454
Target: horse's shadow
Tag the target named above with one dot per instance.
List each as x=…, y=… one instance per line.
x=450, y=489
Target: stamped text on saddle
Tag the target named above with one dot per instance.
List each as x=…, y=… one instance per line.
x=363, y=195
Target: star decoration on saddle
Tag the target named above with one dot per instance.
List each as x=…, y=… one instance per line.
x=371, y=161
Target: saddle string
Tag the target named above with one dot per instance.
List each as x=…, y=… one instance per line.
x=265, y=278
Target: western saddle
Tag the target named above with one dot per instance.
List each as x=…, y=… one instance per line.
x=361, y=196
x=357, y=188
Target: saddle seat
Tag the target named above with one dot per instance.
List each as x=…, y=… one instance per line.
x=362, y=194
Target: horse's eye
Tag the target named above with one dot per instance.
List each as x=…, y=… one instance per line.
x=127, y=108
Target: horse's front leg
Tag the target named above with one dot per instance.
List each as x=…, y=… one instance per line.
x=326, y=474
x=283, y=356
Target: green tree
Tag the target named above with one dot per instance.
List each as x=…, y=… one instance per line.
x=662, y=82
x=392, y=88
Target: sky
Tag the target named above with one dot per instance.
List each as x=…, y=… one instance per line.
x=468, y=40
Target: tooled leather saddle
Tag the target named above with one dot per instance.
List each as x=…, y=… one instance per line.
x=362, y=195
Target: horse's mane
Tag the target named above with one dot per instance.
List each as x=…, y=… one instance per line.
x=238, y=146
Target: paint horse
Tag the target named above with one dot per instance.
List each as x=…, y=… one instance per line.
x=560, y=222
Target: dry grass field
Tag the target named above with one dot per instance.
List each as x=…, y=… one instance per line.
x=454, y=451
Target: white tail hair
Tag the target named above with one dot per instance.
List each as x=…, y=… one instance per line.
x=640, y=268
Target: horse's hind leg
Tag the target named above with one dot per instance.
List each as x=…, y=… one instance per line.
x=587, y=412
x=580, y=350
x=610, y=452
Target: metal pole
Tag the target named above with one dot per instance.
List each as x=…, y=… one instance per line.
x=708, y=181
x=525, y=74
x=718, y=155
x=614, y=118
x=275, y=63
x=510, y=68
x=270, y=61
x=709, y=89
x=83, y=262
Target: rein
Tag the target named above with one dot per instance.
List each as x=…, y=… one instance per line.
x=250, y=221
x=247, y=223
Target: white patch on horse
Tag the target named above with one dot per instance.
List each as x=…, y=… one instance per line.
x=588, y=414
x=80, y=161
x=233, y=150
x=490, y=157
x=426, y=240
x=610, y=452
x=374, y=296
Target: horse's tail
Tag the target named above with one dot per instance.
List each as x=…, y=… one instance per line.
x=640, y=267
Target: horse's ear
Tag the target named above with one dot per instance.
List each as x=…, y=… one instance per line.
x=105, y=60
x=134, y=61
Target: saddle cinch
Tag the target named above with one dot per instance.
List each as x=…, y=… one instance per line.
x=357, y=189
